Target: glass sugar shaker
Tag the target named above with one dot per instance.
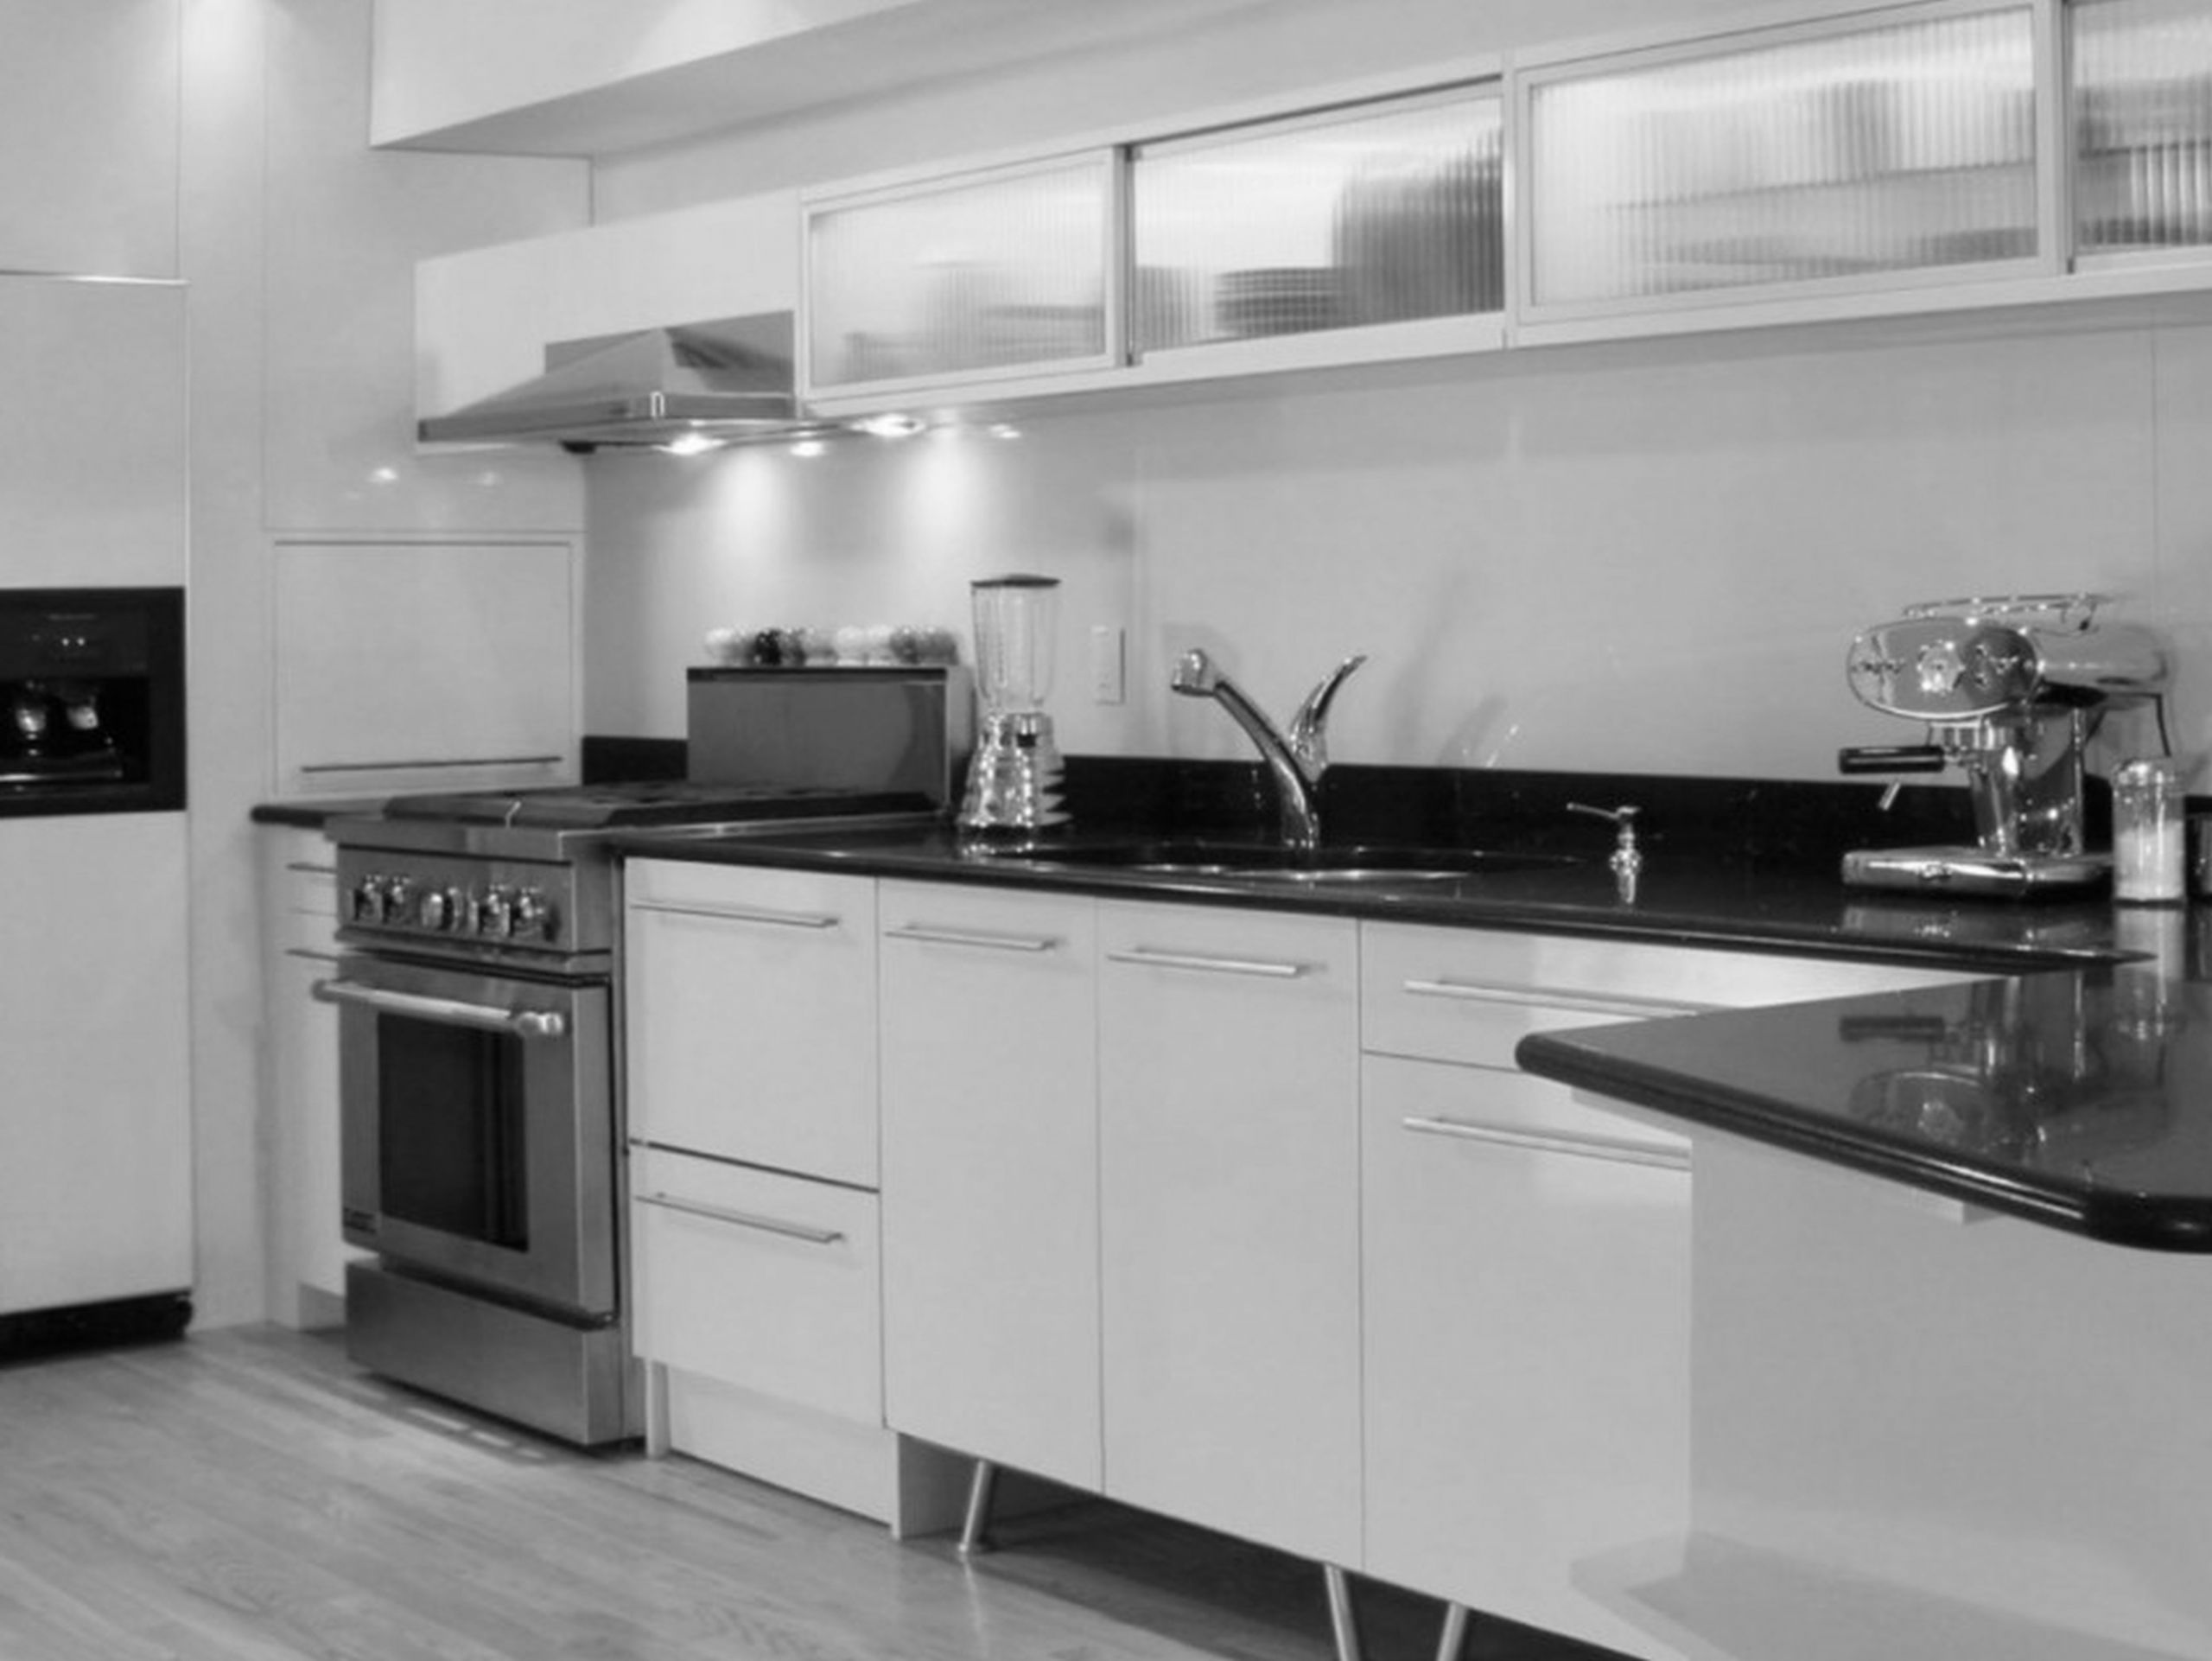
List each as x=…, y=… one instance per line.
x=2148, y=866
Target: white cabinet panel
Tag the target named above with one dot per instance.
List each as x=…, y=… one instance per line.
x=88, y=136
x=483, y=318
x=96, y=1185
x=763, y=1282
x=307, y=1250
x=1527, y=1320
x=93, y=459
x=403, y=666
x=1228, y=1184
x=990, y=1183
x=751, y=1013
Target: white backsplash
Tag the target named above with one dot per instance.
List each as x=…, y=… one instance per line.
x=1646, y=558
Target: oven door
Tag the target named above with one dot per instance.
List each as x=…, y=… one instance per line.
x=477, y=1128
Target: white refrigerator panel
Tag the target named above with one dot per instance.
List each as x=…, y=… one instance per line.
x=92, y=462
x=95, y=1099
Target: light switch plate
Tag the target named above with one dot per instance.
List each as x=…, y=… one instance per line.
x=1106, y=663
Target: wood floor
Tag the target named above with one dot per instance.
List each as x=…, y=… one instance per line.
x=248, y=1495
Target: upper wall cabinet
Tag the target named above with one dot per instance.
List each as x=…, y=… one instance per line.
x=1371, y=226
x=984, y=276
x=1847, y=153
x=2142, y=92
x=88, y=137
x=1381, y=213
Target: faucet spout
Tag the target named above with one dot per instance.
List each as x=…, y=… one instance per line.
x=1297, y=761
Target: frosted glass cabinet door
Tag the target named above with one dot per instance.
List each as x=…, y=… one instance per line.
x=2142, y=96
x=1849, y=153
x=986, y=276
x=1377, y=214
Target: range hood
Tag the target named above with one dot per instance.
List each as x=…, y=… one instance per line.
x=730, y=379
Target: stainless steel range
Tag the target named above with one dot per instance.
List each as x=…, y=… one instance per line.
x=480, y=1117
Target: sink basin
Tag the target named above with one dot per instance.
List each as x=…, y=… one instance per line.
x=1270, y=862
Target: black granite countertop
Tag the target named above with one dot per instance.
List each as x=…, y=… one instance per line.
x=2079, y=1099
x=1680, y=898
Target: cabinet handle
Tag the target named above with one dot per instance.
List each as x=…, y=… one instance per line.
x=928, y=936
x=311, y=954
x=309, y=867
x=740, y=913
x=431, y=762
x=743, y=1220
x=1627, y=1007
x=1556, y=1141
x=1149, y=958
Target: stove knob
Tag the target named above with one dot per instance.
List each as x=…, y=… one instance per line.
x=438, y=909
x=496, y=915
x=533, y=917
x=369, y=899
x=398, y=899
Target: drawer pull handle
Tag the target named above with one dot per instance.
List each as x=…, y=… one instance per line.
x=1148, y=958
x=740, y=913
x=311, y=954
x=1628, y=1007
x=743, y=1220
x=928, y=936
x=431, y=762
x=309, y=867
x=1558, y=1141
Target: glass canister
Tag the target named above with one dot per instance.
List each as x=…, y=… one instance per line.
x=2148, y=865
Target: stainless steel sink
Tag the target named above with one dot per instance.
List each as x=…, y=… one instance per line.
x=1270, y=862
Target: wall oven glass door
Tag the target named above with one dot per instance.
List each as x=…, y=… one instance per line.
x=477, y=1117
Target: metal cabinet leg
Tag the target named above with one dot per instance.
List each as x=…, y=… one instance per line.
x=1454, y=1638
x=1344, y=1616
x=975, y=1530
x=656, y=1383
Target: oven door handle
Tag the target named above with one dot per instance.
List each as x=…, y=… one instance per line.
x=447, y=1012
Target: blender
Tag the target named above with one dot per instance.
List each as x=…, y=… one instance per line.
x=1014, y=782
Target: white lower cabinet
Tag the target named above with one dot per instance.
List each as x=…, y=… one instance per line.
x=1526, y=1330
x=990, y=1174
x=307, y=1248
x=1228, y=1193
x=1526, y=1273
x=756, y=1293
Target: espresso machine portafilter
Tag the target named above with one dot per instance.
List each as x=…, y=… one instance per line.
x=2011, y=690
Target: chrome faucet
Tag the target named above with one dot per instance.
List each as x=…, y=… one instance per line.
x=1297, y=761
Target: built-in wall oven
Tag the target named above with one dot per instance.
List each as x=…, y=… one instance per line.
x=480, y=1118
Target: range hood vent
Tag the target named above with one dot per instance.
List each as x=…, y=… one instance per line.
x=731, y=380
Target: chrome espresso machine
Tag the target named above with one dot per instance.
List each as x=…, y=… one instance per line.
x=2012, y=690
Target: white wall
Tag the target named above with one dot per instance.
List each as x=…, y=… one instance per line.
x=1648, y=557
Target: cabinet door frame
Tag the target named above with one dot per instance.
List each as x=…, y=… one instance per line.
x=1108, y=162
x=1790, y=300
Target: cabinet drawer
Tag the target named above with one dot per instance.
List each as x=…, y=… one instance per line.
x=1485, y=1106
x=766, y=1282
x=1468, y=995
x=308, y=886
x=750, y=1008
